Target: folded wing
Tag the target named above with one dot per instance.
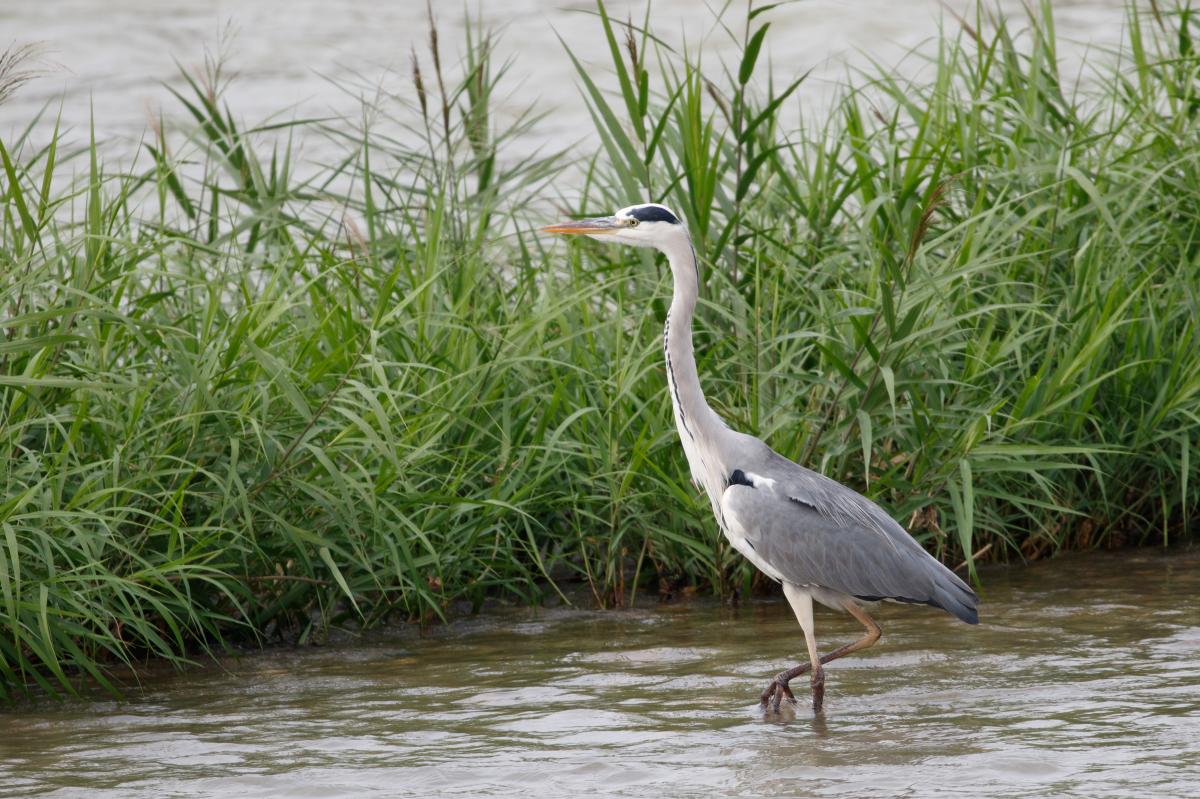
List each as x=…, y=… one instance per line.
x=814, y=531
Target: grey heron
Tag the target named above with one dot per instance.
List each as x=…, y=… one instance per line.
x=820, y=539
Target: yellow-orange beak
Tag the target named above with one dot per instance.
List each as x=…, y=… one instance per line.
x=589, y=227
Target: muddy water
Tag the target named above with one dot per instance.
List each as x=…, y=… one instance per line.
x=1082, y=680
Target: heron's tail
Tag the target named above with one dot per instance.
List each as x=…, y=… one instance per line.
x=954, y=596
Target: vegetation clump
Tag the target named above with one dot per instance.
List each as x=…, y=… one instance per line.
x=242, y=399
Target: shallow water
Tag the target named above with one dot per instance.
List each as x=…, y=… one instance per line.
x=1083, y=680
x=316, y=58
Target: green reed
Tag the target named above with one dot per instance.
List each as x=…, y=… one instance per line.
x=243, y=399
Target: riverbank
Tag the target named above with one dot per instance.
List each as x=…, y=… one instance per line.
x=241, y=405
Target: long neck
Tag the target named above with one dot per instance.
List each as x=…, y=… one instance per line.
x=692, y=414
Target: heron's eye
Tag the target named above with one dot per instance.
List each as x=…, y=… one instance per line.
x=633, y=222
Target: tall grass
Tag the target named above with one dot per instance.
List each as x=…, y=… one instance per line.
x=242, y=399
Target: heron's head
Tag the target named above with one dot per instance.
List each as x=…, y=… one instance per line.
x=646, y=225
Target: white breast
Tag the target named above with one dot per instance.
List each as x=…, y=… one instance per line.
x=736, y=530
x=690, y=450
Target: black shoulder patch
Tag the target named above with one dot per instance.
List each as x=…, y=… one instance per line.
x=739, y=478
x=653, y=213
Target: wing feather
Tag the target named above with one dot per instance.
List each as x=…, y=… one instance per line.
x=815, y=531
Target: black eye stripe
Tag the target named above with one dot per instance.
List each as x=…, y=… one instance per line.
x=653, y=213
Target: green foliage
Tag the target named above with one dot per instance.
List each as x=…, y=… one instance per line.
x=244, y=399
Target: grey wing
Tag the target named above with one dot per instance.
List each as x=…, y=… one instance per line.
x=814, y=531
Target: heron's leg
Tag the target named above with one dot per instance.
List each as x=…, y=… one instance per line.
x=778, y=687
x=801, y=602
x=873, y=633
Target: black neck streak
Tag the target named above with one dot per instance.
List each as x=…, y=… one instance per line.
x=671, y=379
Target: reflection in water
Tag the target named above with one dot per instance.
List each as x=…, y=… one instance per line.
x=1083, y=679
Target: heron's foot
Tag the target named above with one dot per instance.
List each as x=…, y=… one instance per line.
x=774, y=694
x=778, y=690
x=817, y=681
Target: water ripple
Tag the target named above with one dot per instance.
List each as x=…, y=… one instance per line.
x=1054, y=694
